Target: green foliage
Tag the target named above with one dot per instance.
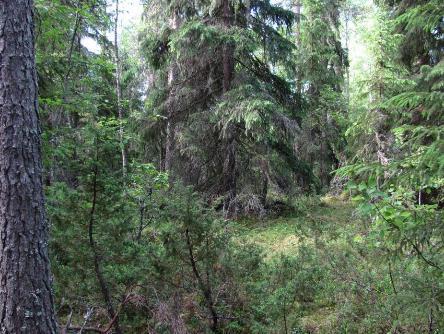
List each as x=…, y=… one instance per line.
x=397, y=180
x=258, y=112
x=251, y=109
x=422, y=28
x=419, y=148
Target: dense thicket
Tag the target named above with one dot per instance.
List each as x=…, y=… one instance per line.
x=160, y=147
x=396, y=164
x=229, y=104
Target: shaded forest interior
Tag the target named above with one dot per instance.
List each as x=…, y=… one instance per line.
x=243, y=166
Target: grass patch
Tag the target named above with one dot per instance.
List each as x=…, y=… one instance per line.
x=282, y=235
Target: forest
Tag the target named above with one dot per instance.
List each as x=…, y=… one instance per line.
x=221, y=166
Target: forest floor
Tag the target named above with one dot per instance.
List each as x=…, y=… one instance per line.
x=282, y=235
x=327, y=225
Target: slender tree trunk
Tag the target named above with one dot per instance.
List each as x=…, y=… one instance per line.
x=347, y=68
x=98, y=260
x=119, y=89
x=26, y=301
x=169, y=144
x=171, y=126
x=142, y=208
x=205, y=288
x=227, y=49
x=265, y=176
x=229, y=169
x=284, y=309
x=297, y=11
x=264, y=191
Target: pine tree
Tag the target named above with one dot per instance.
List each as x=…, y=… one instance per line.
x=26, y=301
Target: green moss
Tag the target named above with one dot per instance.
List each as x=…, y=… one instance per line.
x=282, y=235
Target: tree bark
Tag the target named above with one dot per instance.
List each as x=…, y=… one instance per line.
x=205, y=288
x=169, y=143
x=297, y=12
x=119, y=90
x=227, y=49
x=266, y=175
x=229, y=168
x=26, y=301
x=171, y=125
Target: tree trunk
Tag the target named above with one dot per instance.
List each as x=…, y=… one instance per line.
x=266, y=176
x=297, y=12
x=169, y=144
x=171, y=125
x=347, y=68
x=119, y=90
x=229, y=169
x=205, y=288
x=98, y=259
x=228, y=49
x=26, y=301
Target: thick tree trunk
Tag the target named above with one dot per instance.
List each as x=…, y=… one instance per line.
x=26, y=302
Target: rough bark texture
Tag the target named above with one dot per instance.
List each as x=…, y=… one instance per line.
x=26, y=302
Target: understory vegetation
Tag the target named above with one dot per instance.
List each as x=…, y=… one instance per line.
x=244, y=166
